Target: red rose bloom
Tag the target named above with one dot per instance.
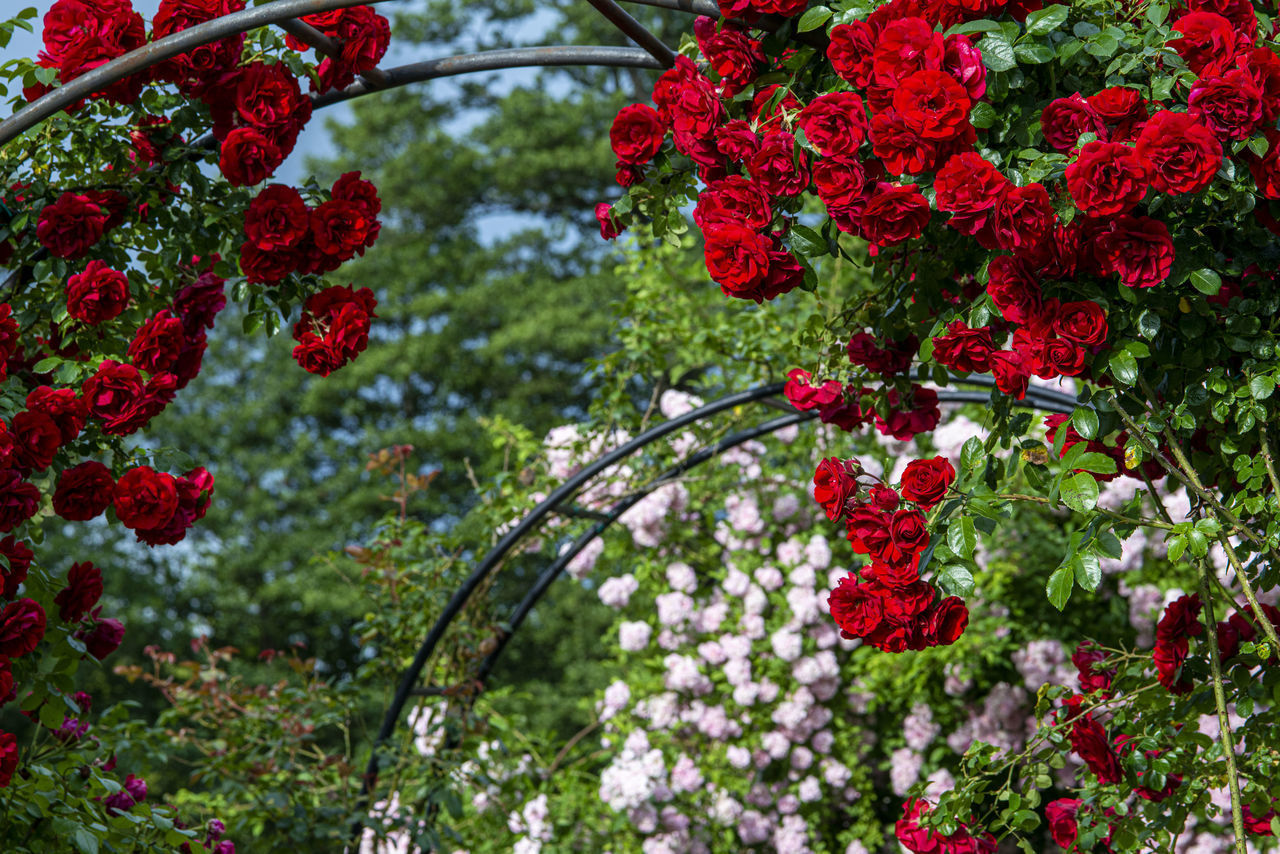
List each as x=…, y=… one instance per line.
x=1084, y=322
x=775, y=168
x=1266, y=169
x=1061, y=816
x=266, y=97
x=22, y=625
x=964, y=349
x=103, y=639
x=894, y=214
x=248, y=157
x=609, y=227
x=687, y=100
x=904, y=424
x=145, y=498
x=83, y=590
x=856, y=610
x=735, y=201
x=637, y=134
x=1107, y=178
x=37, y=439
x=731, y=53
x=84, y=491
x=1183, y=153
x=1136, y=247
x=834, y=482
x=851, y=50
x=158, y=343
x=1230, y=105
x=737, y=259
x=970, y=188
x=1208, y=41
x=1023, y=217
x=267, y=267
x=339, y=228
x=1089, y=742
x=277, y=218
x=905, y=46
x=804, y=396
x=1013, y=289
x=933, y=104
x=8, y=757
x=1012, y=371
x=1065, y=120
x=835, y=123
x=19, y=500
x=70, y=226
x=900, y=146
x=99, y=293
x=926, y=481
x=963, y=61
x=946, y=621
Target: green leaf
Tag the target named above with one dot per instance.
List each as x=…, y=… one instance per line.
x=1094, y=462
x=983, y=115
x=1148, y=324
x=1044, y=21
x=1259, y=145
x=1261, y=387
x=1059, y=587
x=1088, y=571
x=955, y=580
x=1080, y=492
x=1036, y=54
x=46, y=365
x=86, y=841
x=982, y=25
x=1086, y=422
x=1206, y=281
x=1124, y=367
x=1109, y=544
x=812, y=19
x=997, y=53
x=806, y=241
x=962, y=538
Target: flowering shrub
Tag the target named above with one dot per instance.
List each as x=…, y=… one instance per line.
x=1081, y=191
x=124, y=217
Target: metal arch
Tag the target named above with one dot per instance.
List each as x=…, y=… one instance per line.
x=1038, y=398
x=285, y=13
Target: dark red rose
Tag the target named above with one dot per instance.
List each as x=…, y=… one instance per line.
x=835, y=123
x=867, y=529
x=926, y=481
x=198, y=303
x=267, y=267
x=851, y=51
x=905, y=46
x=19, y=557
x=736, y=140
x=1184, y=154
x=158, y=343
x=1012, y=371
x=1107, y=178
x=333, y=329
x=894, y=214
x=103, y=639
x=277, y=218
x=964, y=349
x=364, y=36
x=1013, y=289
x=266, y=96
x=83, y=590
x=1119, y=105
x=855, y=609
x=909, y=532
x=1264, y=67
x=8, y=757
x=1089, y=742
x=1065, y=120
x=1230, y=105
x=351, y=188
x=933, y=104
x=84, y=491
x=198, y=67
x=970, y=188
x=145, y=498
x=903, y=424
x=963, y=61
x=99, y=293
x=195, y=491
x=22, y=625
x=339, y=228
x=1023, y=217
x=900, y=147
x=248, y=157
x=609, y=227
x=637, y=134
x=37, y=439
x=1208, y=41
x=1138, y=248
x=687, y=100
x=884, y=497
x=840, y=182
x=19, y=500
x=1084, y=322
x=946, y=621
x=1061, y=817
x=834, y=482
x=733, y=200
x=804, y=396
x=1061, y=358
x=732, y=54
x=905, y=605
x=894, y=357
x=112, y=389
x=737, y=258
x=775, y=166
x=71, y=225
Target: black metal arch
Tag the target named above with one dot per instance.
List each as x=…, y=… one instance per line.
x=1037, y=398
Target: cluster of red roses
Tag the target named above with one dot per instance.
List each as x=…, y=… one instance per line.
x=334, y=328
x=886, y=603
x=283, y=235
x=1180, y=622
x=363, y=35
x=925, y=840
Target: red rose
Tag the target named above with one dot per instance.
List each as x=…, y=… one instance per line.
x=1264, y=67
x=113, y=388
x=909, y=533
x=69, y=227
x=1136, y=247
x=905, y=604
x=1119, y=105
x=1084, y=322
x=1230, y=105
x=963, y=61
x=364, y=36
x=1089, y=742
x=897, y=142
x=964, y=349
x=905, y=46
x=145, y=498
x=198, y=303
x=736, y=140
x=103, y=639
x=904, y=424
x=1085, y=658
x=193, y=70
x=248, y=157
x=84, y=491
x=1107, y=178
x=969, y=188
x=926, y=481
x=687, y=100
x=37, y=439
x=884, y=497
x=839, y=181
x=835, y=123
x=1183, y=153
x=19, y=557
x=351, y=188
x=834, y=482
x=946, y=621
x=1012, y=371
x=333, y=329
x=1061, y=816
x=737, y=258
x=855, y=609
x=1023, y=217
x=1266, y=169
x=339, y=228
x=195, y=491
x=851, y=51
x=8, y=757
x=1065, y=120
x=933, y=104
x=1013, y=289
x=1062, y=358
x=267, y=97
x=1208, y=41
x=804, y=396
x=734, y=200
x=19, y=500
x=83, y=590
x=99, y=293
x=637, y=134
x=22, y=625
x=267, y=267
x=158, y=343
x=866, y=529
x=277, y=218
x=609, y=227
x=775, y=167
x=894, y=214
x=731, y=53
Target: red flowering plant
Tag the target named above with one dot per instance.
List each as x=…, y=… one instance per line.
x=1079, y=194
x=124, y=218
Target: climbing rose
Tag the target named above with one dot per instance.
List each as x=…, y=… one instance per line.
x=97, y=294
x=1107, y=178
x=248, y=157
x=1183, y=153
x=637, y=134
x=277, y=218
x=70, y=226
x=84, y=491
x=145, y=498
x=84, y=588
x=926, y=481
x=8, y=757
x=22, y=625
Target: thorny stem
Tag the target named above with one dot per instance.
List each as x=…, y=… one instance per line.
x=1220, y=700
x=1119, y=517
x=1261, y=618
x=1266, y=458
